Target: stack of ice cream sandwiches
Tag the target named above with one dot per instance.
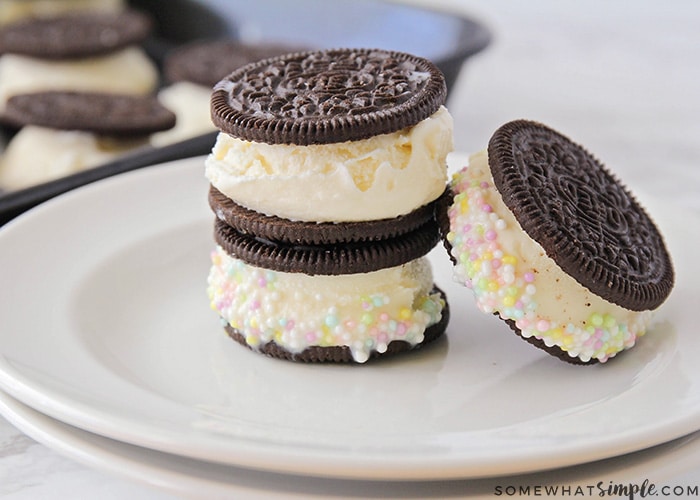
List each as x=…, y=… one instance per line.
x=324, y=180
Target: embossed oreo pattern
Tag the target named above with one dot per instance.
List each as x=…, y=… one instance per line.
x=327, y=96
x=581, y=215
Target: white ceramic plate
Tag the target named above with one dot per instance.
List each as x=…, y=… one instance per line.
x=675, y=463
x=105, y=325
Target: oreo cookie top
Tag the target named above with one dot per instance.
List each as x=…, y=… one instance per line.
x=327, y=96
x=74, y=35
x=113, y=114
x=205, y=62
x=582, y=216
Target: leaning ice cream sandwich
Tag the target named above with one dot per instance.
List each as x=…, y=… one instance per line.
x=551, y=242
x=324, y=181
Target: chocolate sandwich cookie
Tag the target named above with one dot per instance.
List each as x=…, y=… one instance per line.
x=327, y=96
x=582, y=216
x=73, y=36
x=109, y=114
x=250, y=222
x=343, y=257
x=549, y=239
x=206, y=62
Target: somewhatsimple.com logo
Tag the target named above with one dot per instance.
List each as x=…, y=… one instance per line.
x=610, y=489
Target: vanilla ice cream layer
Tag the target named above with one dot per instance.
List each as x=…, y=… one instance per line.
x=362, y=311
x=36, y=154
x=511, y=274
x=16, y=10
x=190, y=103
x=127, y=71
x=377, y=178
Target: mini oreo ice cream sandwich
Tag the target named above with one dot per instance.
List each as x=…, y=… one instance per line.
x=324, y=180
x=549, y=240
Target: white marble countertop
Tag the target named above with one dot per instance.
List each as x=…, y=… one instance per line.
x=619, y=77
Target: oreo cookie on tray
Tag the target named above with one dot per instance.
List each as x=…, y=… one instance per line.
x=324, y=180
x=74, y=35
x=101, y=113
x=206, y=62
x=551, y=242
x=63, y=132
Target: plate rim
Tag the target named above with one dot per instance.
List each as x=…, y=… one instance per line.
x=359, y=467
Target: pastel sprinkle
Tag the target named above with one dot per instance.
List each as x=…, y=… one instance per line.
x=331, y=320
x=596, y=319
x=250, y=300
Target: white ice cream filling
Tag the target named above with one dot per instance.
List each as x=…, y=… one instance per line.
x=377, y=178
